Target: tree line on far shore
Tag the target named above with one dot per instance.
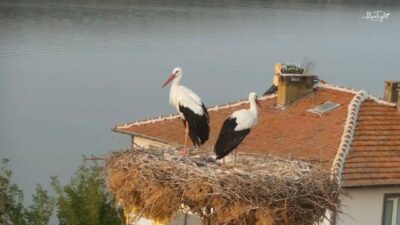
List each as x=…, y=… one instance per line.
x=83, y=201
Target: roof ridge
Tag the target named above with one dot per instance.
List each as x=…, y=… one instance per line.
x=238, y=103
x=354, y=91
x=176, y=115
x=347, y=137
x=337, y=88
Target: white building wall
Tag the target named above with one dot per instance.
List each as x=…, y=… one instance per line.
x=181, y=219
x=186, y=219
x=364, y=206
x=148, y=143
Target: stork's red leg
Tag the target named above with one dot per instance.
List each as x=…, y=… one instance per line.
x=234, y=160
x=184, y=150
x=186, y=136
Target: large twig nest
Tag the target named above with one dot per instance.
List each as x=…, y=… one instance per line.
x=263, y=190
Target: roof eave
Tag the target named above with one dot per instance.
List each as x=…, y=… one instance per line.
x=115, y=129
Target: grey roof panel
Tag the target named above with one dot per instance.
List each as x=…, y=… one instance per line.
x=323, y=108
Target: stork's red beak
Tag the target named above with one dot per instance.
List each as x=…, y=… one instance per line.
x=170, y=78
x=258, y=104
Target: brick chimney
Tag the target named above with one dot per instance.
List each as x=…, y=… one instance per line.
x=292, y=85
x=392, y=92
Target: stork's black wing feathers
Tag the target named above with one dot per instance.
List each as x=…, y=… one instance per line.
x=228, y=138
x=205, y=112
x=199, y=129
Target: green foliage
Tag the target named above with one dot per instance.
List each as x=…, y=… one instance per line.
x=11, y=198
x=41, y=209
x=85, y=201
x=12, y=211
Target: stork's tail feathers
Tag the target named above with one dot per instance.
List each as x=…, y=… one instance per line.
x=199, y=131
x=199, y=128
x=228, y=138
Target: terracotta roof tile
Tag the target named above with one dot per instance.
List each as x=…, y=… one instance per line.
x=374, y=158
x=292, y=132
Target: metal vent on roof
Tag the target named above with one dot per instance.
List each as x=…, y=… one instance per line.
x=323, y=108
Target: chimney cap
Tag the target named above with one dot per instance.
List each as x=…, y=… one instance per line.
x=392, y=90
x=296, y=75
x=288, y=68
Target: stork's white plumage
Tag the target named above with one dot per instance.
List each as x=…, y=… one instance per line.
x=191, y=109
x=236, y=127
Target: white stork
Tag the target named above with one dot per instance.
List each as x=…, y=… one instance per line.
x=191, y=109
x=236, y=127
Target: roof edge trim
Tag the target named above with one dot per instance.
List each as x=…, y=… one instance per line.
x=174, y=116
x=240, y=102
x=355, y=91
x=347, y=137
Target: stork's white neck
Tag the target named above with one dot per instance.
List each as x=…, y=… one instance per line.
x=173, y=99
x=253, y=107
x=176, y=81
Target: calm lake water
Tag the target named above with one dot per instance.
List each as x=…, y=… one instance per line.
x=69, y=71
